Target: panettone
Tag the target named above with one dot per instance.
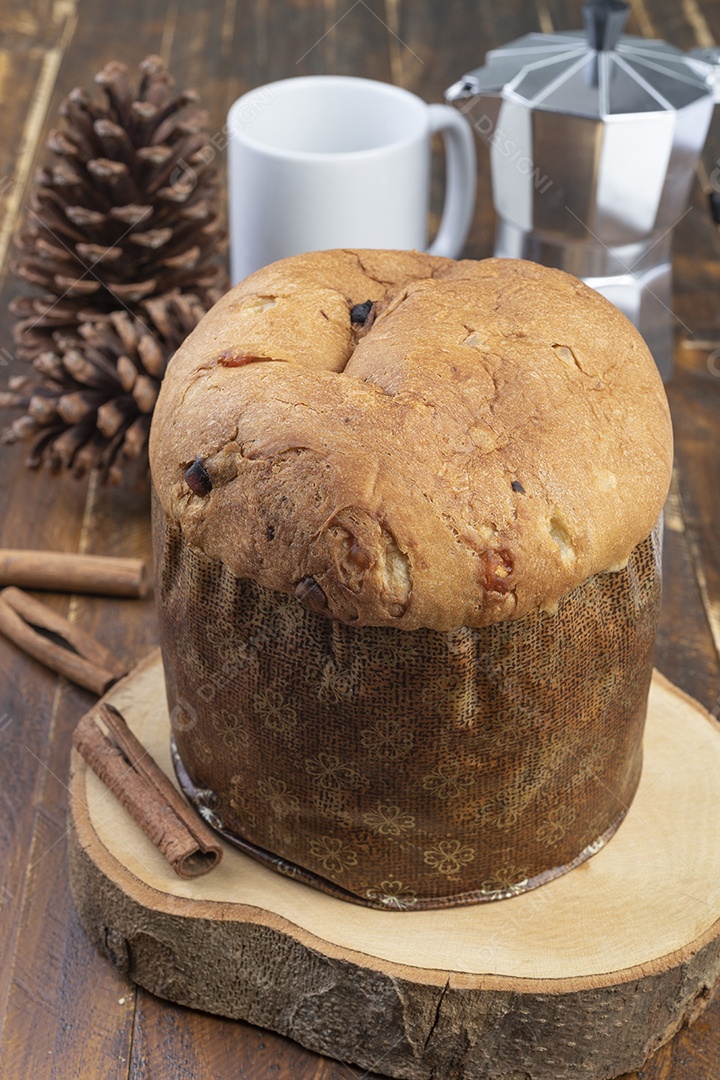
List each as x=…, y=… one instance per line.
x=408, y=579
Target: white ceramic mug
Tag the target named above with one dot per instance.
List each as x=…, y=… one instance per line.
x=325, y=161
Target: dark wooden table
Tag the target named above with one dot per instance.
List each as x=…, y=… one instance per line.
x=64, y=1012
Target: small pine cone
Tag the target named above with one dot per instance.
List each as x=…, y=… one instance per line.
x=126, y=212
x=89, y=404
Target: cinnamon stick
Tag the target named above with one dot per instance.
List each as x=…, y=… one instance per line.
x=76, y=654
x=126, y=767
x=59, y=571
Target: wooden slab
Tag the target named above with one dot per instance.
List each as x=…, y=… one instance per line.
x=582, y=978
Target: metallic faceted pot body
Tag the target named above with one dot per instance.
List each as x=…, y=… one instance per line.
x=398, y=769
x=596, y=147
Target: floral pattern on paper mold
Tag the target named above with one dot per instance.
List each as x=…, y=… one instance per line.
x=408, y=769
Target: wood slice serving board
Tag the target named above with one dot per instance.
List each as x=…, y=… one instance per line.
x=580, y=979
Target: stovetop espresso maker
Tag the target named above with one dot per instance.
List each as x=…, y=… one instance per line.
x=593, y=139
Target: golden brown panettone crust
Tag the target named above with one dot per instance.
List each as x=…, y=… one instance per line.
x=492, y=435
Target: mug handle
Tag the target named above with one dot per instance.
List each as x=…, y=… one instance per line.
x=461, y=182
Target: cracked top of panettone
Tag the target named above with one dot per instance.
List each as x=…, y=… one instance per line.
x=469, y=447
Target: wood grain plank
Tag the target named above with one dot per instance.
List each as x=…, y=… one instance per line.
x=697, y=436
x=695, y=17
x=56, y=973
x=687, y=659
x=363, y=40
x=173, y=1043
x=27, y=24
x=696, y=240
x=28, y=691
x=64, y=18
x=295, y=40
x=685, y=24
x=329, y=37
x=35, y=510
x=693, y=1054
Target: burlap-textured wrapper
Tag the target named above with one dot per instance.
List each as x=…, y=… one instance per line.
x=407, y=770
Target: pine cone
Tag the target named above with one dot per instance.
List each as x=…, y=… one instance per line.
x=127, y=211
x=89, y=404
